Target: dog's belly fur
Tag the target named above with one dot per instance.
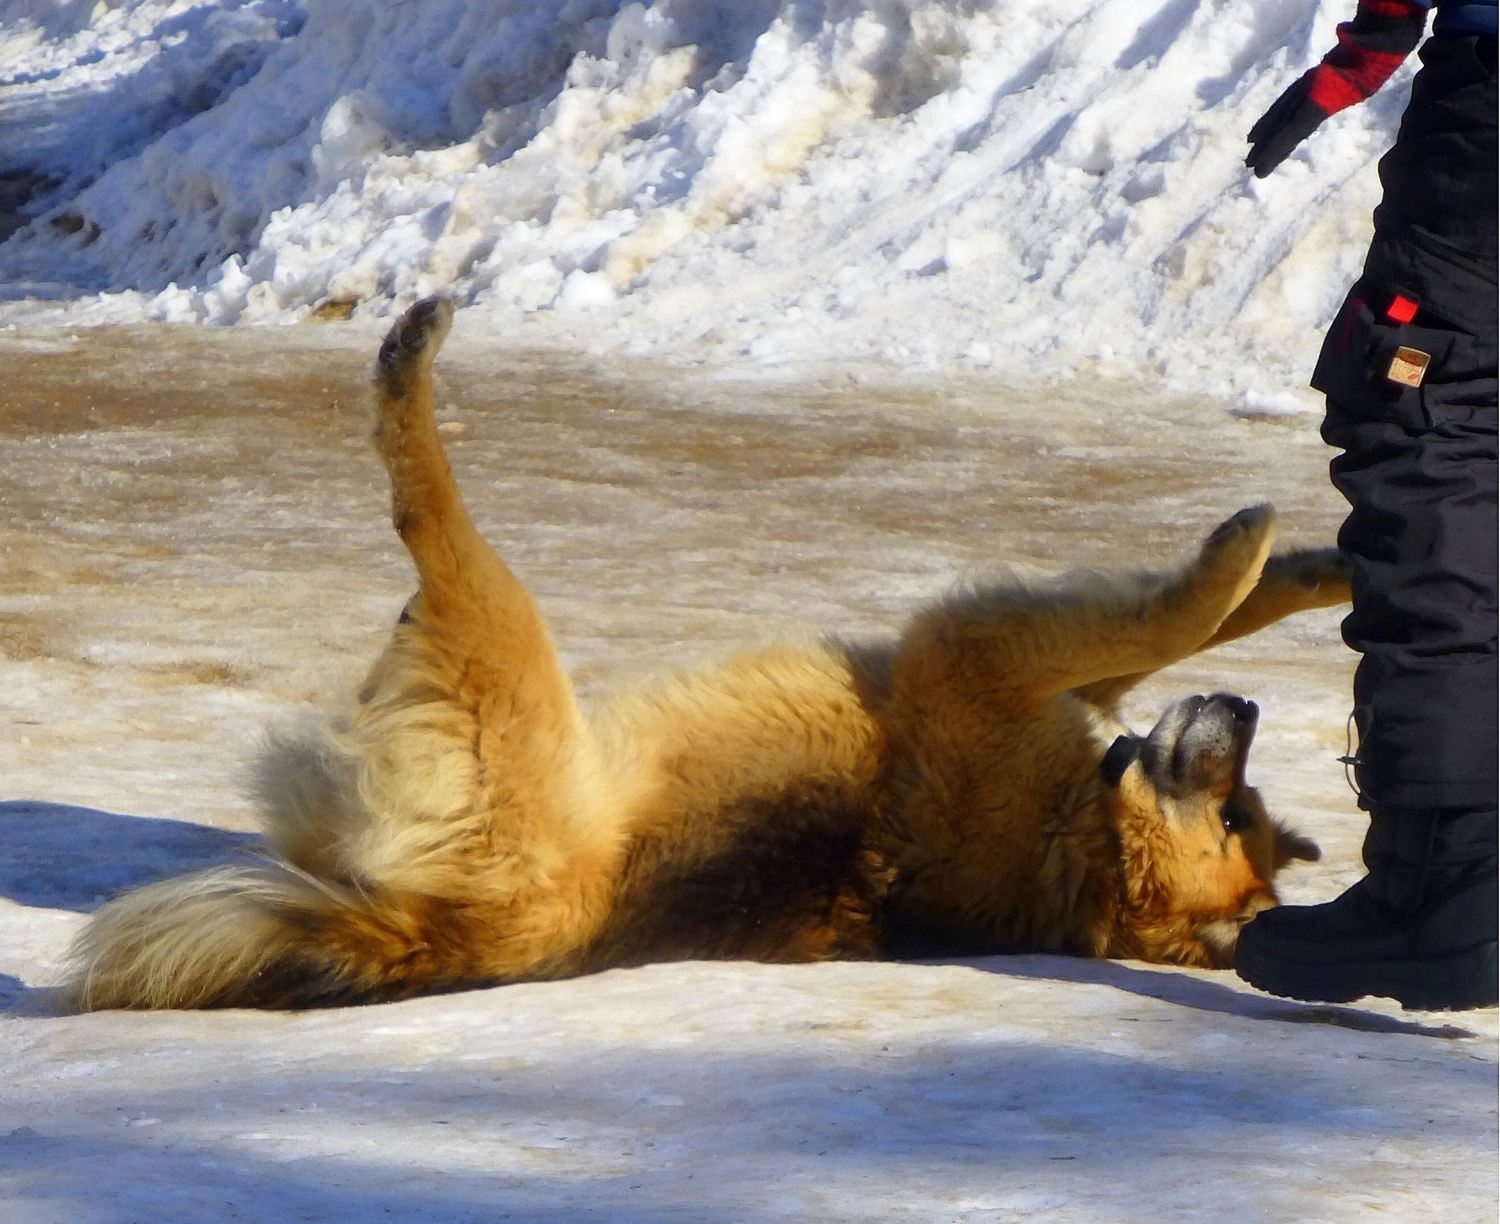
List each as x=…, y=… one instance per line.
x=800, y=815
x=790, y=879
x=758, y=784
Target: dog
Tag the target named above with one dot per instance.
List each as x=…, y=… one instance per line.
x=964, y=788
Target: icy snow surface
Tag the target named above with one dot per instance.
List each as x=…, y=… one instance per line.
x=1036, y=187
x=762, y=301
x=195, y=544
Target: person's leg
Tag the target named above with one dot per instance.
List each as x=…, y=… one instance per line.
x=1421, y=540
x=1418, y=469
x=1420, y=537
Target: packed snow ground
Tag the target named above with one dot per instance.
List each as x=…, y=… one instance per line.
x=196, y=544
x=1034, y=187
x=914, y=215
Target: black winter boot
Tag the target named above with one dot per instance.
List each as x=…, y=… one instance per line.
x=1420, y=928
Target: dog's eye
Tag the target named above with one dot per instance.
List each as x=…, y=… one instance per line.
x=1236, y=817
x=1118, y=759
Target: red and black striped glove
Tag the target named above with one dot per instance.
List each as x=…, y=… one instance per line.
x=1371, y=47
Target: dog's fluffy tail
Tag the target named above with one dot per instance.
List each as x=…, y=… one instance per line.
x=257, y=937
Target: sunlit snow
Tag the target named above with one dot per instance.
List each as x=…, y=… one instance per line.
x=1029, y=188
x=779, y=319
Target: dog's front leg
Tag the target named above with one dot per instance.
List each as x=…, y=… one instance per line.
x=1032, y=643
x=1291, y=582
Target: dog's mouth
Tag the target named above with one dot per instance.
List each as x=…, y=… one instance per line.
x=1200, y=742
x=1222, y=933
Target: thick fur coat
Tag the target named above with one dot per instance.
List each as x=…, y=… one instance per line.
x=965, y=787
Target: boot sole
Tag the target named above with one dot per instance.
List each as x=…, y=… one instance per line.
x=1460, y=982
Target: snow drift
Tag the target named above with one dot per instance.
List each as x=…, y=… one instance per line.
x=1030, y=186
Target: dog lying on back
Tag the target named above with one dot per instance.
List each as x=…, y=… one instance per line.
x=965, y=788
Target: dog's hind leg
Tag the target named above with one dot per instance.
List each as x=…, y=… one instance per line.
x=457, y=829
x=475, y=761
x=477, y=611
x=1029, y=643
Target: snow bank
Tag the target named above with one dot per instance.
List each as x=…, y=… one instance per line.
x=1029, y=187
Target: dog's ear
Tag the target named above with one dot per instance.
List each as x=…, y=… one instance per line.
x=1292, y=845
x=1121, y=756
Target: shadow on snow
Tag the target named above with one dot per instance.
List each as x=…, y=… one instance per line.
x=502, y=1137
x=1171, y=986
x=55, y=856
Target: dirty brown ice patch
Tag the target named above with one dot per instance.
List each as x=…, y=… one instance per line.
x=195, y=545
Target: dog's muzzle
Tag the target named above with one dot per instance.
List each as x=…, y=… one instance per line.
x=1198, y=741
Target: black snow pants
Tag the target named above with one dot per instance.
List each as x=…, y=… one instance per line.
x=1418, y=469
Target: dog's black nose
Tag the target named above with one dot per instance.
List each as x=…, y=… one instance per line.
x=1241, y=708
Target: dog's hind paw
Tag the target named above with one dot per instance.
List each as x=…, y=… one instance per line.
x=414, y=339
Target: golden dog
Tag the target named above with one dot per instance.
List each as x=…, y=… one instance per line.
x=965, y=788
